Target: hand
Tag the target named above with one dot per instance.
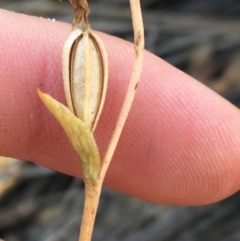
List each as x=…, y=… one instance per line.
x=181, y=142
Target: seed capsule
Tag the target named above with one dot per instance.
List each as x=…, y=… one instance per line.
x=85, y=75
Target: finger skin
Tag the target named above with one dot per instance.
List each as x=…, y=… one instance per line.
x=181, y=142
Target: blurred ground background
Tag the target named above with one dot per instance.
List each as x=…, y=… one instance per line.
x=200, y=37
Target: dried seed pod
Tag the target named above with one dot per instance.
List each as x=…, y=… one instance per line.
x=85, y=75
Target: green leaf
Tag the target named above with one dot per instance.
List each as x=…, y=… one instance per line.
x=80, y=137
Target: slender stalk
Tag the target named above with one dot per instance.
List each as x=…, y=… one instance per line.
x=132, y=87
x=92, y=195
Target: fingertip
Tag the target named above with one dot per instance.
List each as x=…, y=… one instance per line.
x=181, y=141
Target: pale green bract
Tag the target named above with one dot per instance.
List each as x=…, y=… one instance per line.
x=79, y=135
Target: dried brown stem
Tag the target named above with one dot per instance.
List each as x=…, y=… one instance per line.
x=81, y=11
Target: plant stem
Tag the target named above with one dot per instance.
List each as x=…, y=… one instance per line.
x=132, y=87
x=93, y=192
x=92, y=195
